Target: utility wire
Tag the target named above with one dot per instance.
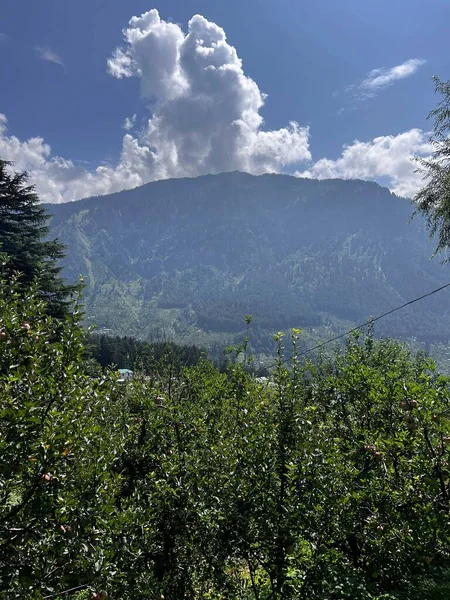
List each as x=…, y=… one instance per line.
x=368, y=322
x=66, y=592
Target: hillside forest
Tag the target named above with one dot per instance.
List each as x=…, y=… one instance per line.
x=184, y=260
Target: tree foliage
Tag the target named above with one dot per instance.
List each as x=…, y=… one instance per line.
x=433, y=200
x=127, y=352
x=23, y=237
x=57, y=488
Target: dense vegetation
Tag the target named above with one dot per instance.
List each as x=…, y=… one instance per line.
x=330, y=482
x=129, y=353
x=186, y=259
x=23, y=229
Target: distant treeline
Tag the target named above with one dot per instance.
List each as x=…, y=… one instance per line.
x=128, y=352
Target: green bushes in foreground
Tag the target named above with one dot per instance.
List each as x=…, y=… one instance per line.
x=330, y=482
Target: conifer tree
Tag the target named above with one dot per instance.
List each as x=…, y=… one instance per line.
x=23, y=238
x=433, y=200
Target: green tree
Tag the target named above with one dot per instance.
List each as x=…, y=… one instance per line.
x=57, y=488
x=433, y=200
x=23, y=232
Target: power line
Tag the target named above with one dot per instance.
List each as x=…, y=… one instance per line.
x=66, y=592
x=368, y=322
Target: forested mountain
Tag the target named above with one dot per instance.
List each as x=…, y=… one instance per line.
x=187, y=258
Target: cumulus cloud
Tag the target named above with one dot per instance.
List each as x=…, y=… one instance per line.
x=383, y=157
x=206, y=111
x=50, y=56
x=60, y=180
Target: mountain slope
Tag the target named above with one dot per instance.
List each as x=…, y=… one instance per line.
x=187, y=258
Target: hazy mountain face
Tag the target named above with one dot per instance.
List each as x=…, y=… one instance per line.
x=188, y=258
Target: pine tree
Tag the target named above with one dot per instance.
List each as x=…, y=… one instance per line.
x=23, y=238
x=433, y=200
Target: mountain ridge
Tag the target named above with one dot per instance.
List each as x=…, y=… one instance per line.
x=225, y=175
x=180, y=257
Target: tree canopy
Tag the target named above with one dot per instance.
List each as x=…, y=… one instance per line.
x=23, y=238
x=433, y=200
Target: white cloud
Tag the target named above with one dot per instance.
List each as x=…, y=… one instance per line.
x=129, y=122
x=50, y=56
x=151, y=52
x=60, y=180
x=384, y=157
x=206, y=111
x=378, y=79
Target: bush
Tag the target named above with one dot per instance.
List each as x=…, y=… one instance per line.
x=59, y=435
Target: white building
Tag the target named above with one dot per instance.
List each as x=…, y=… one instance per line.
x=124, y=374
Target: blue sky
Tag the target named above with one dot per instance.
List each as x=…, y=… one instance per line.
x=64, y=107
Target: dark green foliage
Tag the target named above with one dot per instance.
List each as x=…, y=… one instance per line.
x=226, y=314
x=127, y=352
x=186, y=259
x=433, y=200
x=23, y=232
